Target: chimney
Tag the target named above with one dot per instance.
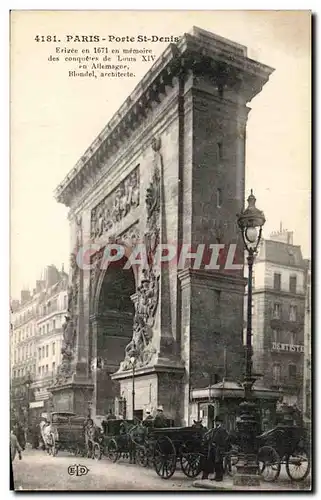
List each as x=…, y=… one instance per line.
x=39, y=285
x=52, y=276
x=25, y=296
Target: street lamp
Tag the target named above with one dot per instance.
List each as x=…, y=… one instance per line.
x=250, y=222
x=133, y=363
x=28, y=382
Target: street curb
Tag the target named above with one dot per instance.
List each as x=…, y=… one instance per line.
x=227, y=486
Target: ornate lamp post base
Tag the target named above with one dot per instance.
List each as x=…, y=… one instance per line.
x=248, y=429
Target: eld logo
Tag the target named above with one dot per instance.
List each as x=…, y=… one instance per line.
x=77, y=470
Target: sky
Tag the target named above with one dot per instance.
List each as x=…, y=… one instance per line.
x=55, y=118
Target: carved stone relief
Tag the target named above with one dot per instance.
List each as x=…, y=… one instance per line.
x=116, y=205
x=65, y=369
x=141, y=346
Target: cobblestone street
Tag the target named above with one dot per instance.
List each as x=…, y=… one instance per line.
x=38, y=471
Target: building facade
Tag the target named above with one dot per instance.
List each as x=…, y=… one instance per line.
x=278, y=316
x=167, y=169
x=36, y=334
x=307, y=348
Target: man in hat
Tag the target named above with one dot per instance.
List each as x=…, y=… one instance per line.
x=148, y=418
x=217, y=440
x=160, y=420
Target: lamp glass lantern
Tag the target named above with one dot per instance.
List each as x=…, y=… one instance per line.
x=251, y=222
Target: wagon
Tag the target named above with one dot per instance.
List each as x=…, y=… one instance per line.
x=284, y=444
x=68, y=433
x=114, y=442
x=165, y=448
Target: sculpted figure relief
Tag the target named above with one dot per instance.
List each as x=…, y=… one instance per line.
x=116, y=205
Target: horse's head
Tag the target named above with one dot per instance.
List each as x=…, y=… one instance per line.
x=197, y=424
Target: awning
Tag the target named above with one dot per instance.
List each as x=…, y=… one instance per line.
x=232, y=390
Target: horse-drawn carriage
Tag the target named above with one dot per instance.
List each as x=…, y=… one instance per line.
x=65, y=432
x=115, y=441
x=284, y=444
x=168, y=447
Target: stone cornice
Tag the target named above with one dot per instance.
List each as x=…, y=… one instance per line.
x=199, y=52
x=212, y=279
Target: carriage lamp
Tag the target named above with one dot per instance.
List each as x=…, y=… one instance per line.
x=250, y=221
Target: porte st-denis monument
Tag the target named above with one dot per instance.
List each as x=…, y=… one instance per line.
x=168, y=169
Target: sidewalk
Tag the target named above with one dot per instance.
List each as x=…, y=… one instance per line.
x=227, y=485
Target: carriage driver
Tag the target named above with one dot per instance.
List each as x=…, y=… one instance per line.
x=160, y=420
x=217, y=440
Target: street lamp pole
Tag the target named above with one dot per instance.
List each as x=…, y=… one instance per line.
x=133, y=388
x=250, y=222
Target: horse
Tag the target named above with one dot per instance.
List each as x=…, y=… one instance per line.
x=197, y=424
x=131, y=435
x=49, y=436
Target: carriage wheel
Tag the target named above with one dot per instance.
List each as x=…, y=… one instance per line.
x=298, y=464
x=112, y=451
x=269, y=463
x=97, y=451
x=229, y=463
x=164, y=457
x=191, y=464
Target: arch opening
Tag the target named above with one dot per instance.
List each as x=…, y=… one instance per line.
x=114, y=314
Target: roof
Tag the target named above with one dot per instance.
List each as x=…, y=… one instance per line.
x=281, y=253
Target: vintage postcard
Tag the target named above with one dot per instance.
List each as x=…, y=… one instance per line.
x=160, y=333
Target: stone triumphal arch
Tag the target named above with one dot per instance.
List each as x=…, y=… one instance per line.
x=167, y=169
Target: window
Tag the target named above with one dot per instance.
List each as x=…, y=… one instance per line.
x=15, y=356
x=46, y=368
x=277, y=281
x=293, y=338
x=53, y=348
x=220, y=150
x=22, y=353
x=39, y=370
x=292, y=284
x=47, y=351
x=292, y=371
x=219, y=198
x=39, y=353
x=65, y=302
x=53, y=367
x=42, y=369
x=34, y=368
x=276, y=373
x=22, y=372
x=54, y=324
x=43, y=351
x=276, y=311
x=275, y=336
x=19, y=336
x=293, y=313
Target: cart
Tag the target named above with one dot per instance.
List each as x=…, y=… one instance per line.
x=67, y=433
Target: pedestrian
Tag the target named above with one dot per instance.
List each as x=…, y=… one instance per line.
x=148, y=416
x=160, y=420
x=110, y=415
x=217, y=440
x=14, y=446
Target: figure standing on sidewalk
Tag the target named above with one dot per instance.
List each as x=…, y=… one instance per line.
x=217, y=440
x=14, y=446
